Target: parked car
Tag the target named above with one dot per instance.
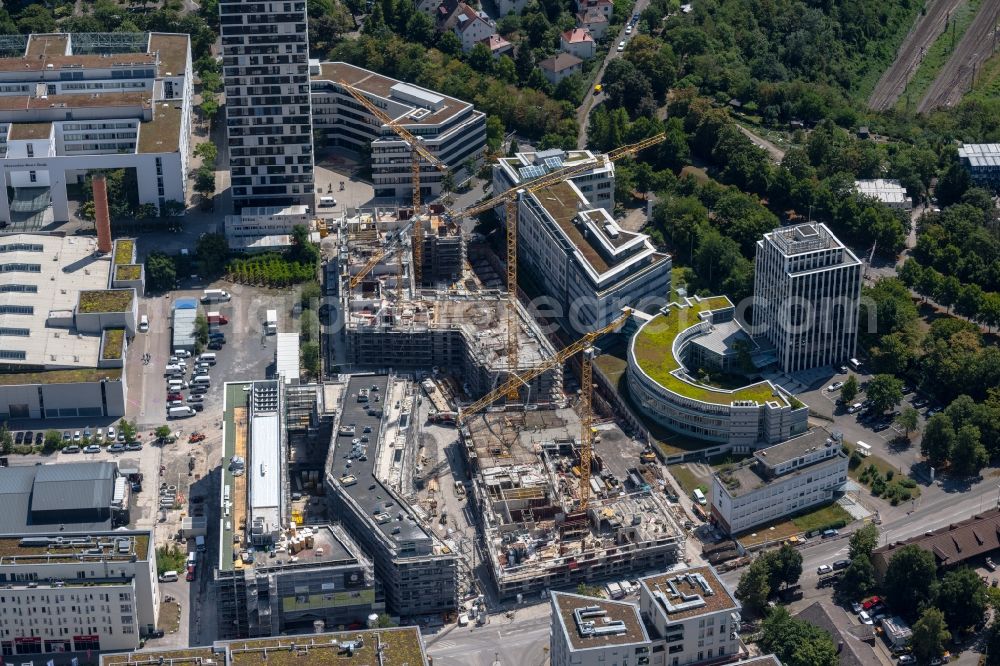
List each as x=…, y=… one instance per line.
x=111, y=433
x=836, y=386
x=92, y=448
x=990, y=564
x=215, y=345
x=76, y=436
x=117, y=447
x=841, y=564
x=823, y=569
x=196, y=398
x=28, y=436
x=72, y=448
x=856, y=607
x=830, y=533
x=907, y=659
x=39, y=437
x=621, y=46
x=175, y=396
x=865, y=618
x=19, y=437
x=133, y=446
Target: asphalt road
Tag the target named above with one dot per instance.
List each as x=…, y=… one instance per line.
x=925, y=30
x=976, y=45
x=518, y=641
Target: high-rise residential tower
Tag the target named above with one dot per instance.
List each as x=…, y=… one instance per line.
x=807, y=293
x=265, y=66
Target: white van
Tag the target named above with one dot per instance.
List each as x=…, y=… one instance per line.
x=176, y=385
x=201, y=380
x=173, y=370
x=143, y=323
x=169, y=577
x=192, y=558
x=864, y=450
x=182, y=353
x=215, y=296
x=181, y=412
x=699, y=497
x=327, y=202
x=207, y=357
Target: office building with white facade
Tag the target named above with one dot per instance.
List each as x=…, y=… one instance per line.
x=70, y=104
x=779, y=481
x=65, y=320
x=451, y=130
x=683, y=617
x=76, y=592
x=265, y=67
x=596, y=184
x=807, y=294
x=586, y=264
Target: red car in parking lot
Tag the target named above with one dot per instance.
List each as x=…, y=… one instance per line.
x=174, y=396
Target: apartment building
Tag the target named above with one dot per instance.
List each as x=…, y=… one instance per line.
x=418, y=573
x=587, y=631
x=982, y=161
x=589, y=266
x=265, y=67
x=470, y=25
x=76, y=592
x=692, y=615
x=70, y=104
x=683, y=617
x=807, y=294
x=779, y=481
x=451, y=130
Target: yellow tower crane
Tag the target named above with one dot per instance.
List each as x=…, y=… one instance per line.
x=585, y=345
x=417, y=151
x=509, y=200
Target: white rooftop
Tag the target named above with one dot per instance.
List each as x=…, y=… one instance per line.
x=264, y=472
x=44, y=274
x=287, y=356
x=980, y=154
x=886, y=191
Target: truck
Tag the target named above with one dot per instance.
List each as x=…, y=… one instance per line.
x=199, y=544
x=181, y=412
x=217, y=318
x=271, y=322
x=215, y=296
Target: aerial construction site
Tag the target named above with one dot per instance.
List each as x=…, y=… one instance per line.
x=441, y=317
x=540, y=530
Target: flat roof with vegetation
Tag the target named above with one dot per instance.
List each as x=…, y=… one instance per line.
x=128, y=272
x=123, y=251
x=114, y=339
x=105, y=300
x=652, y=349
x=73, y=376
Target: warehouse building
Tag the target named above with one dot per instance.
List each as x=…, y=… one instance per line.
x=82, y=591
x=779, y=481
x=70, y=104
x=417, y=572
x=319, y=575
x=450, y=129
x=66, y=315
x=889, y=192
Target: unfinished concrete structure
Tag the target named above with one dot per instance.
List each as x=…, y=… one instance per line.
x=525, y=467
x=458, y=326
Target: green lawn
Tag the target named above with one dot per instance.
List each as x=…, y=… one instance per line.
x=687, y=479
x=987, y=81
x=937, y=55
x=821, y=517
x=894, y=487
x=807, y=522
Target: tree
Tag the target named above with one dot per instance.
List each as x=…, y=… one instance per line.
x=161, y=272
x=858, y=580
x=201, y=329
x=311, y=358
x=303, y=249
x=53, y=440
x=754, y=587
x=930, y=633
x=884, y=392
x=938, y=440
x=796, y=642
x=128, y=430
x=585, y=590
x=849, y=391
x=209, y=106
x=962, y=598
x=309, y=326
x=908, y=420
x=968, y=455
x=6, y=439
x=207, y=151
x=910, y=581
x=786, y=567
x=863, y=541
x=162, y=432
x=212, y=252
x=204, y=180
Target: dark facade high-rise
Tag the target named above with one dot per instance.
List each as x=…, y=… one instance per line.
x=265, y=67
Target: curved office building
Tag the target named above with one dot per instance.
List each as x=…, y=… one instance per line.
x=704, y=331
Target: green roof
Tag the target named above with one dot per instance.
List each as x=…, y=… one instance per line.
x=114, y=339
x=123, y=251
x=75, y=376
x=653, y=351
x=128, y=272
x=105, y=300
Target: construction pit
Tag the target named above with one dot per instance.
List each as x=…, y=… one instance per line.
x=525, y=480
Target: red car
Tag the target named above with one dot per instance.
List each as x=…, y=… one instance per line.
x=174, y=396
x=868, y=604
x=190, y=573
